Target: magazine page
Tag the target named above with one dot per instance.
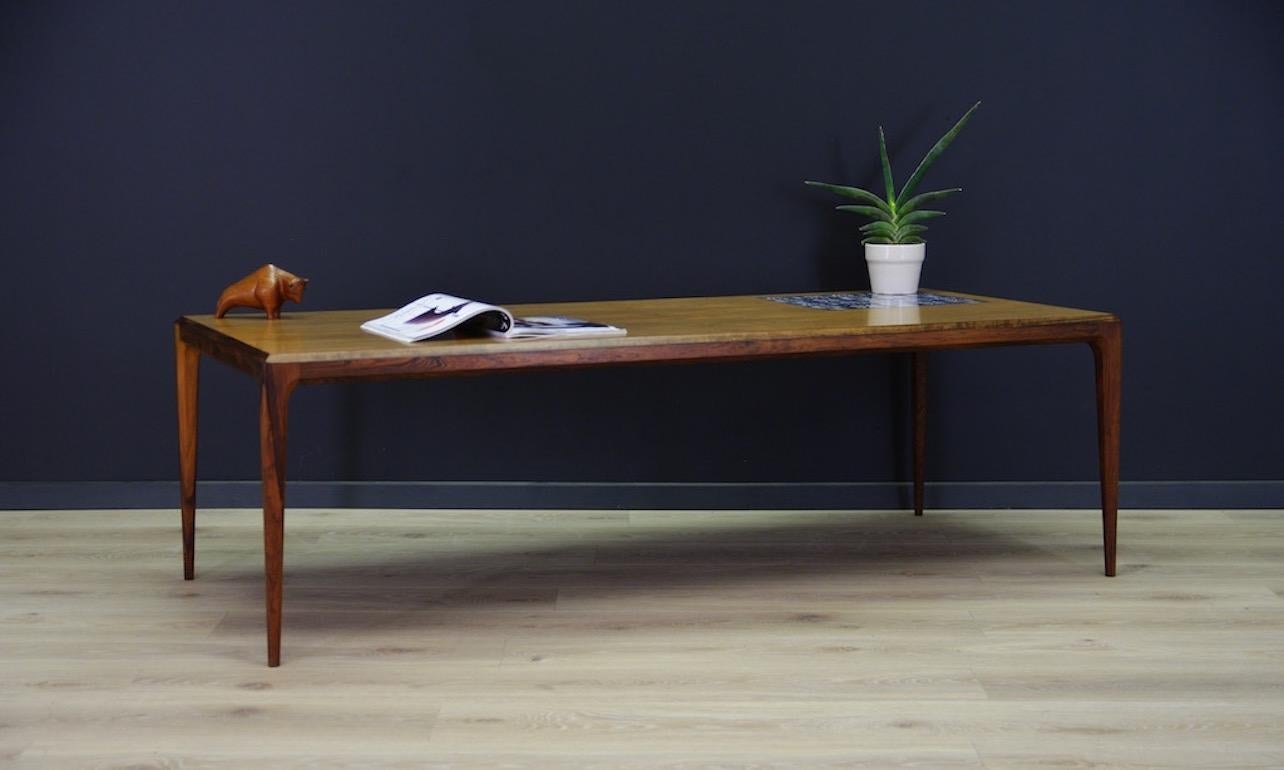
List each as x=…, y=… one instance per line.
x=436, y=314
x=536, y=327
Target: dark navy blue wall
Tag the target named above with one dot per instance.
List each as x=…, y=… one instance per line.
x=1127, y=157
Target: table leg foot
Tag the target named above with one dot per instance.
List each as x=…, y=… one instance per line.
x=1107, y=354
x=918, y=363
x=274, y=396
x=187, y=359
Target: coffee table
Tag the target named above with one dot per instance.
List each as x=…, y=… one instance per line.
x=328, y=346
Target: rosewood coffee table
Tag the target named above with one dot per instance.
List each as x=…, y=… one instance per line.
x=328, y=346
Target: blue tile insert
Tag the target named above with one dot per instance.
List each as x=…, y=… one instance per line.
x=861, y=300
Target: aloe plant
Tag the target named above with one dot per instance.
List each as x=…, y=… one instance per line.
x=898, y=218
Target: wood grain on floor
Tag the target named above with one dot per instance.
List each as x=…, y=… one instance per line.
x=646, y=639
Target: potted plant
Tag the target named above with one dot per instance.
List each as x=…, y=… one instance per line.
x=894, y=247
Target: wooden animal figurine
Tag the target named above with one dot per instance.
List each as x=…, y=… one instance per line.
x=266, y=289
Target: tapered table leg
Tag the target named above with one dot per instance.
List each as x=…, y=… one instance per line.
x=919, y=407
x=187, y=360
x=1107, y=353
x=274, y=397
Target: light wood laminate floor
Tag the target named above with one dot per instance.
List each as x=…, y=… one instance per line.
x=631, y=639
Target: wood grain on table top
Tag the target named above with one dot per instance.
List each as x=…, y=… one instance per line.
x=334, y=334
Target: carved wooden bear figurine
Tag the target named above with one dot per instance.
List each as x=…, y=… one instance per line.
x=266, y=288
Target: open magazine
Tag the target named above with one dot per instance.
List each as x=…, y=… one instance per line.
x=439, y=313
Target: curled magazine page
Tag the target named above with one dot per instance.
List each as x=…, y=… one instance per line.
x=436, y=314
x=537, y=327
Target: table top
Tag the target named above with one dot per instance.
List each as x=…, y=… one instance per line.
x=742, y=326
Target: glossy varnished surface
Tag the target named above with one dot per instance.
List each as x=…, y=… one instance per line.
x=637, y=640
x=327, y=336
x=330, y=346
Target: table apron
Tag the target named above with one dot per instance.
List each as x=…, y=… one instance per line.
x=518, y=360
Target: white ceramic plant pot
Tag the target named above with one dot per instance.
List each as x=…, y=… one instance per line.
x=894, y=268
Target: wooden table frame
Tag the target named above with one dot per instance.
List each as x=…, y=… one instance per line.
x=326, y=347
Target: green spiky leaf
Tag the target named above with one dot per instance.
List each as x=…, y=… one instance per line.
x=853, y=192
x=921, y=198
x=869, y=211
x=919, y=216
x=879, y=228
x=887, y=169
x=896, y=219
x=933, y=154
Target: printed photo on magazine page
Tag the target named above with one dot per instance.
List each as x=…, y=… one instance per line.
x=436, y=314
